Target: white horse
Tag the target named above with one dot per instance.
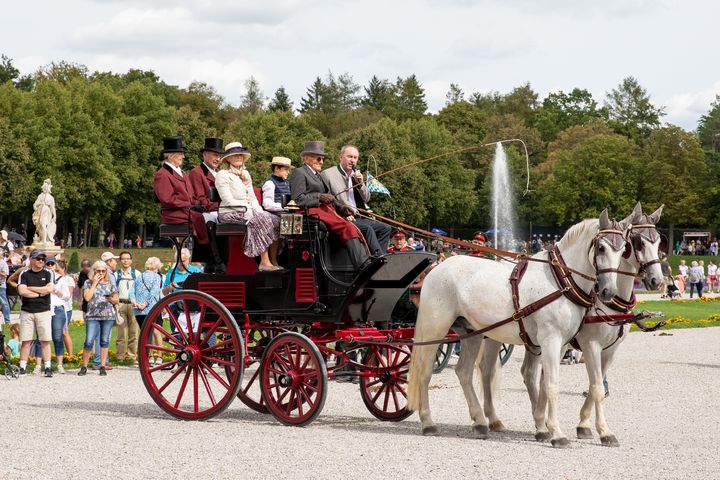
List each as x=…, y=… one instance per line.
x=468, y=293
x=598, y=341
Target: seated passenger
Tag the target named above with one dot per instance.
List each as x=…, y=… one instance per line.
x=174, y=192
x=311, y=192
x=234, y=185
x=276, y=185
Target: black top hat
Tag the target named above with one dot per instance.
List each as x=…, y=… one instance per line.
x=213, y=145
x=314, y=147
x=173, y=144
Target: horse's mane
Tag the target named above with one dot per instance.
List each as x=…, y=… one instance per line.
x=579, y=230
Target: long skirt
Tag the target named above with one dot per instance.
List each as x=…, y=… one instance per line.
x=263, y=229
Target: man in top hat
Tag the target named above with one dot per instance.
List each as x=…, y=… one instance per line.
x=174, y=191
x=202, y=178
x=400, y=243
x=347, y=184
x=310, y=191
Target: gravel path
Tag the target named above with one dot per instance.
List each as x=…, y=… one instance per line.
x=663, y=408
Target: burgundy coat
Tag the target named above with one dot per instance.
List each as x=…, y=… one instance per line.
x=175, y=196
x=201, y=180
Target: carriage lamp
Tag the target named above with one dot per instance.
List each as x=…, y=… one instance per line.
x=291, y=224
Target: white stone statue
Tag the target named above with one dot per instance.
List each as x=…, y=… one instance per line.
x=44, y=217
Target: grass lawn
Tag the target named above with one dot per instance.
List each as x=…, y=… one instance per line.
x=685, y=313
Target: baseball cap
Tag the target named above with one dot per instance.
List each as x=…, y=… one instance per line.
x=107, y=256
x=37, y=253
x=50, y=259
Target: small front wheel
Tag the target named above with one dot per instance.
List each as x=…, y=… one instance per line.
x=385, y=391
x=293, y=379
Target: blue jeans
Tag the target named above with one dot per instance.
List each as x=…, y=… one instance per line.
x=98, y=329
x=58, y=325
x=698, y=286
x=5, y=304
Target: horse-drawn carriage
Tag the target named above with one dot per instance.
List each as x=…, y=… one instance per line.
x=268, y=337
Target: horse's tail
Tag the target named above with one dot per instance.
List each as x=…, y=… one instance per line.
x=420, y=368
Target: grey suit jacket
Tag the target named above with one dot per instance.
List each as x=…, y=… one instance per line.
x=306, y=187
x=337, y=183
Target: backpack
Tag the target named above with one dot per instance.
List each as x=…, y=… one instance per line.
x=694, y=277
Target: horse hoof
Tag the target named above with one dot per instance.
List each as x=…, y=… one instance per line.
x=561, y=442
x=481, y=431
x=542, y=436
x=497, y=426
x=610, y=441
x=584, y=433
x=430, y=431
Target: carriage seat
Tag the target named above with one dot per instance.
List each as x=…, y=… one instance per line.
x=226, y=229
x=175, y=230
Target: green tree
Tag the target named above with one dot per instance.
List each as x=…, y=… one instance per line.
x=253, y=100
x=630, y=110
x=454, y=95
x=281, y=101
x=8, y=72
x=409, y=102
x=599, y=172
x=521, y=102
x=562, y=110
x=379, y=95
x=674, y=175
x=270, y=134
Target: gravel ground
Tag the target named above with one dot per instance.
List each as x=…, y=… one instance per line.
x=663, y=408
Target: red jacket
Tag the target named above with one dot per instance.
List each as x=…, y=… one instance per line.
x=175, y=196
x=201, y=180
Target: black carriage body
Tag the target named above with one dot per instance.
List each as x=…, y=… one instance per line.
x=319, y=283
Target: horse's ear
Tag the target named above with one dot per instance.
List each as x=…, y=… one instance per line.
x=655, y=216
x=628, y=250
x=663, y=244
x=638, y=209
x=604, y=220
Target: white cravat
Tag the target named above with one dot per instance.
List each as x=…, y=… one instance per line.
x=175, y=169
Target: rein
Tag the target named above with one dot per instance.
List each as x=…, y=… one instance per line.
x=504, y=254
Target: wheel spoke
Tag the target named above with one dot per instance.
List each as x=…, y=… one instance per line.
x=299, y=401
x=211, y=331
x=188, y=321
x=221, y=361
x=378, y=392
x=401, y=390
x=204, y=379
x=196, y=390
x=172, y=377
x=168, y=336
x=218, y=346
x=182, y=387
x=252, y=379
x=160, y=348
x=290, y=402
x=387, y=398
x=175, y=322
x=217, y=377
x=395, y=399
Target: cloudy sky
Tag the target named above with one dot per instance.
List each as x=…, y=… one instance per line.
x=482, y=45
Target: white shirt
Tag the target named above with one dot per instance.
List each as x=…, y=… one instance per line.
x=58, y=298
x=210, y=169
x=68, y=282
x=175, y=169
x=683, y=270
x=351, y=193
x=712, y=269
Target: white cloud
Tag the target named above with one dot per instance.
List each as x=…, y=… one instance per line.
x=685, y=109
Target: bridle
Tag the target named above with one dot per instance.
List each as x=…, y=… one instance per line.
x=635, y=241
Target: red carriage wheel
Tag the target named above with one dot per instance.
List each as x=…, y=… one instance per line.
x=385, y=391
x=250, y=393
x=186, y=383
x=293, y=379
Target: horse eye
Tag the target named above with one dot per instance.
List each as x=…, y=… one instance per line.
x=601, y=249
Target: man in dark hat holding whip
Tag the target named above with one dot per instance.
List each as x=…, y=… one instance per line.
x=202, y=178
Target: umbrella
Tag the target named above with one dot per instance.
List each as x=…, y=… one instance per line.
x=439, y=232
x=15, y=237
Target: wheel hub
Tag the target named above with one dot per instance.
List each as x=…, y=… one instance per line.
x=285, y=380
x=190, y=355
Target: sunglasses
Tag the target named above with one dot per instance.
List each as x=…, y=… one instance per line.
x=41, y=259
x=101, y=271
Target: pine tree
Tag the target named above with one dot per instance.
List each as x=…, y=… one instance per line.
x=281, y=101
x=253, y=100
x=410, y=99
x=454, y=95
x=378, y=94
x=311, y=102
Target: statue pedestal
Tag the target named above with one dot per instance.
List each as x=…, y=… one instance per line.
x=53, y=250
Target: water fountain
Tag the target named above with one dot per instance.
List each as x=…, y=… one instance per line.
x=502, y=209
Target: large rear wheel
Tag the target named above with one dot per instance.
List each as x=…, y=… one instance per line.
x=293, y=379
x=442, y=356
x=384, y=392
x=184, y=380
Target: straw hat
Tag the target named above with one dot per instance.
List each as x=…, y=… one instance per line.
x=282, y=161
